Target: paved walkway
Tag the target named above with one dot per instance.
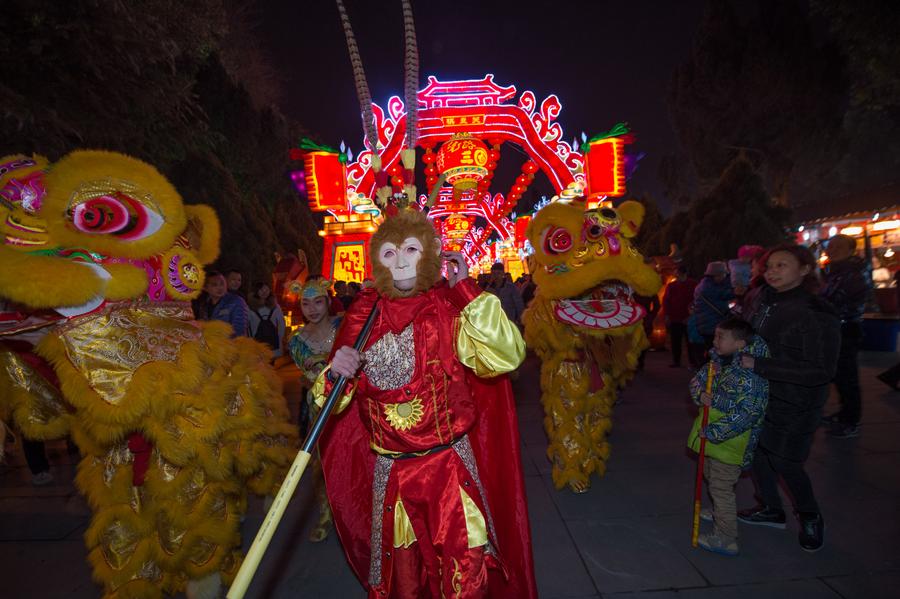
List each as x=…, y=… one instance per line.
x=628, y=536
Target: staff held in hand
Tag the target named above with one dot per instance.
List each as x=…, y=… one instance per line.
x=705, y=399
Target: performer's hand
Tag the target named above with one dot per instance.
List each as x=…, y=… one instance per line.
x=346, y=362
x=457, y=269
x=748, y=361
x=705, y=398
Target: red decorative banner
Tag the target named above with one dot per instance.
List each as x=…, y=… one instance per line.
x=326, y=181
x=605, y=167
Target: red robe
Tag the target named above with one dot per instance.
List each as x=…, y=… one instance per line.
x=482, y=409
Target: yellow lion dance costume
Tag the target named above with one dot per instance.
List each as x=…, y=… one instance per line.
x=585, y=326
x=175, y=420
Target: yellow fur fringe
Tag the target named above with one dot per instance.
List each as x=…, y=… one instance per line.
x=218, y=425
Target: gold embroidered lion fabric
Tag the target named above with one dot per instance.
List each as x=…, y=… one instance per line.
x=110, y=346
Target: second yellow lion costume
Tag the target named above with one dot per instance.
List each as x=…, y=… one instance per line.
x=175, y=420
x=585, y=326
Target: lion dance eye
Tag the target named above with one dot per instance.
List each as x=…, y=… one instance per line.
x=557, y=240
x=105, y=214
x=115, y=214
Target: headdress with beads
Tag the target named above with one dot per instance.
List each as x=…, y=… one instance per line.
x=315, y=288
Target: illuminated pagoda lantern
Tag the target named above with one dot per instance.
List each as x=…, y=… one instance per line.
x=462, y=161
x=462, y=127
x=352, y=218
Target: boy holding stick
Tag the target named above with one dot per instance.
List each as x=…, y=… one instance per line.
x=737, y=403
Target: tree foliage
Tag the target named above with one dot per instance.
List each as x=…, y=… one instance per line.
x=148, y=79
x=737, y=211
x=760, y=82
x=866, y=32
x=648, y=240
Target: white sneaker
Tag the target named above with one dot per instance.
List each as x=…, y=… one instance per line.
x=717, y=544
x=42, y=479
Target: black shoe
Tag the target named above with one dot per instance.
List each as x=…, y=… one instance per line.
x=892, y=383
x=812, y=533
x=763, y=516
x=844, y=431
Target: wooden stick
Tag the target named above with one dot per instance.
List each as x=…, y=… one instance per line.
x=289, y=485
x=698, y=487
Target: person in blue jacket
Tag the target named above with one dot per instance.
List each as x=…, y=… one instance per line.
x=737, y=404
x=224, y=306
x=711, y=299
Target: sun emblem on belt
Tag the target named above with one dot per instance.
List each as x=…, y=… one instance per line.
x=404, y=416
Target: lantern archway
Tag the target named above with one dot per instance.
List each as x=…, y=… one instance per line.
x=479, y=109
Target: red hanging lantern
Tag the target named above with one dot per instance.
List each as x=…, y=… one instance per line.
x=462, y=160
x=604, y=167
x=521, y=227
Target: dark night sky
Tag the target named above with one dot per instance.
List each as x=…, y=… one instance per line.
x=607, y=61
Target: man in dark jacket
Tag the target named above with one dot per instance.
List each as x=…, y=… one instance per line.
x=677, y=307
x=510, y=298
x=847, y=287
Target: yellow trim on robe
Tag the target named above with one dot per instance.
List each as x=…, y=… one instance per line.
x=476, y=530
x=487, y=342
x=404, y=535
x=319, y=396
x=393, y=454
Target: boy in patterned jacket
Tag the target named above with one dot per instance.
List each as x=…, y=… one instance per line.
x=737, y=407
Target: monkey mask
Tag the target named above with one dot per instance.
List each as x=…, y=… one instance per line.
x=406, y=254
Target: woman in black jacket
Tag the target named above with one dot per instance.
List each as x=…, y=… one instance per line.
x=803, y=335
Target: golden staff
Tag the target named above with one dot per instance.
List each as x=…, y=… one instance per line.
x=698, y=488
x=276, y=511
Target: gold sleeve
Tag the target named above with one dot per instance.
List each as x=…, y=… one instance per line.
x=319, y=395
x=486, y=341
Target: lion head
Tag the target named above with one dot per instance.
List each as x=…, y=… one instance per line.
x=584, y=261
x=95, y=227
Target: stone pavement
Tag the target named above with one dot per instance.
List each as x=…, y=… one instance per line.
x=628, y=536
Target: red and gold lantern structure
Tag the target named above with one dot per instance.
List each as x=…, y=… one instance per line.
x=462, y=127
x=326, y=180
x=463, y=162
x=604, y=163
x=455, y=229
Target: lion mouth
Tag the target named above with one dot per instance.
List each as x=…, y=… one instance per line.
x=93, y=303
x=608, y=306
